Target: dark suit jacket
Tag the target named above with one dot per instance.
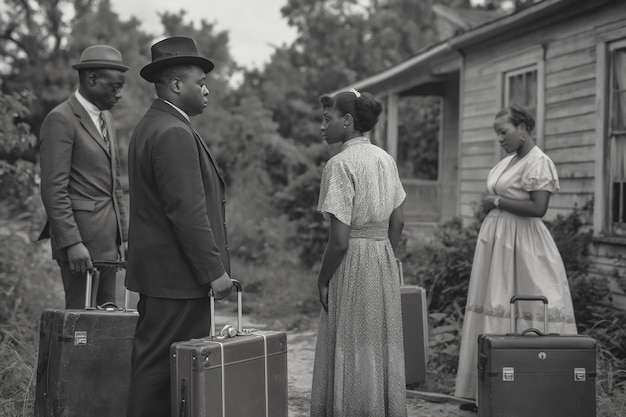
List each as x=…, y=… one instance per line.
x=80, y=183
x=177, y=237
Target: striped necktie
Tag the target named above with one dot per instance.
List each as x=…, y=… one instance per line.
x=103, y=129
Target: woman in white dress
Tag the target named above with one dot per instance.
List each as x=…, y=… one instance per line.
x=515, y=253
x=359, y=357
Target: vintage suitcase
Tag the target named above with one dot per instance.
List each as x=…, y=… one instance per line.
x=83, y=366
x=415, y=330
x=239, y=373
x=535, y=374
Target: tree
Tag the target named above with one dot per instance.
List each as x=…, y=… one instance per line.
x=41, y=39
x=17, y=176
x=512, y=5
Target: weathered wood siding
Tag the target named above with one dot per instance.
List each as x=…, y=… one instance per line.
x=568, y=56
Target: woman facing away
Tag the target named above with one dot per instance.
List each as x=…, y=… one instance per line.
x=359, y=357
x=515, y=253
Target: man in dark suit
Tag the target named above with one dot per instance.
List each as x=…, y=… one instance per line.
x=177, y=239
x=80, y=177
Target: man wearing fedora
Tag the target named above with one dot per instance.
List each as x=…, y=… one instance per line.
x=177, y=238
x=80, y=177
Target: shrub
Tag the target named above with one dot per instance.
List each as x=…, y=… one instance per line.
x=299, y=200
x=17, y=173
x=443, y=267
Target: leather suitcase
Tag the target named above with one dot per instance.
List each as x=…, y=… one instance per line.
x=83, y=366
x=535, y=374
x=239, y=373
x=415, y=331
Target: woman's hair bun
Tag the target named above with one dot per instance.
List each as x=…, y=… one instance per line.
x=364, y=107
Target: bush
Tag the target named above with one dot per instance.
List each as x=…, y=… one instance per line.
x=17, y=173
x=299, y=200
x=443, y=267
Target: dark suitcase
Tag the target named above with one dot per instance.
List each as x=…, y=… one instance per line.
x=239, y=373
x=415, y=330
x=83, y=366
x=534, y=374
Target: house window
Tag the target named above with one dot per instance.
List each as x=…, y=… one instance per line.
x=521, y=88
x=617, y=138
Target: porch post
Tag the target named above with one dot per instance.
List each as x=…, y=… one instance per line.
x=392, y=125
x=378, y=134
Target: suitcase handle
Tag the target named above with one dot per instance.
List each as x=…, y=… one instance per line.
x=239, y=290
x=541, y=298
x=400, y=271
x=88, y=287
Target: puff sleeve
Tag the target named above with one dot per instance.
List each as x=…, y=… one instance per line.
x=540, y=175
x=336, y=192
x=399, y=194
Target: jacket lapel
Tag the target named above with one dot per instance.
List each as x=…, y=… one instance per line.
x=159, y=104
x=86, y=122
x=206, y=148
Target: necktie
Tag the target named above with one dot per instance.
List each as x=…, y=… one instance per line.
x=103, y=129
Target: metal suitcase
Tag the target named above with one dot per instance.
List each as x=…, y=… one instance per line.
x=535, y=374
x=239, y=373
x=83, y=366
x=415, y=330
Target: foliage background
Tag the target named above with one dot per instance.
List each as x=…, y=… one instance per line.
x=265, y=135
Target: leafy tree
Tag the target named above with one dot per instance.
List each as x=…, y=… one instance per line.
x=418, y=145
x=17, y=176
x=41, y=39
x=506, y=4
x=340, y=42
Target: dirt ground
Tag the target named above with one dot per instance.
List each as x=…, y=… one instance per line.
x=300, y=355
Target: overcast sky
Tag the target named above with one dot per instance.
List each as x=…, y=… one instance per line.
x=254, y=25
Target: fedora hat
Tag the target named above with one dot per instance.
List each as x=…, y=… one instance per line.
x=100, y=56
x=174, y=51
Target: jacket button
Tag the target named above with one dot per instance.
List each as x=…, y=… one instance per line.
x=224, y=202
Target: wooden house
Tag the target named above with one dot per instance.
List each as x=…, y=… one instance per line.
x=565, y=60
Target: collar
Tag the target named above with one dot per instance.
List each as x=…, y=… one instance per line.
x=91, y=108
x=178, y=109
x=356, y=141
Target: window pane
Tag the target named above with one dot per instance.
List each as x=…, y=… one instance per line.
x=522, y=90
x=618, y=115
x=618, y=181
x=531, y=90
x=618, y=91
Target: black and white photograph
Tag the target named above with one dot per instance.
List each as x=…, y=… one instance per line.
x=312, y=208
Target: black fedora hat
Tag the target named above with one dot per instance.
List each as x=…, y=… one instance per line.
x=100, y=57
x=178, y=50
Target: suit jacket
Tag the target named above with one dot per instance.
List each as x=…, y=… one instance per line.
x=177, y=236
x=80, y=183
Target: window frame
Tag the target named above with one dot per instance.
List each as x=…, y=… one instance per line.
x=603, y=200
x=511, y=65
x=507, y=82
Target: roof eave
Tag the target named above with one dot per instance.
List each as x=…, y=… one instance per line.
x=415, y=60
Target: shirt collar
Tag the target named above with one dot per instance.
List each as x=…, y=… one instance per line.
x=91, y=108
x=355, y=141
x=178, y=109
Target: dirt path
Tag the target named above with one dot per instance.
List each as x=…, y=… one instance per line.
x=300, y=355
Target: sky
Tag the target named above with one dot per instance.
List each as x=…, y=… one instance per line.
x=253, y=25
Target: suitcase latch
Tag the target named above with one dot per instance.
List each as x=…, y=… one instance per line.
x=508, y=374
x=580, y=374
x=80, y=338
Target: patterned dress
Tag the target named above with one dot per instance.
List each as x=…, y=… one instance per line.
x=359, y=357
x=514, y=256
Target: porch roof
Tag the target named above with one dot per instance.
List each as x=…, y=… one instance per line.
x=450, y=49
